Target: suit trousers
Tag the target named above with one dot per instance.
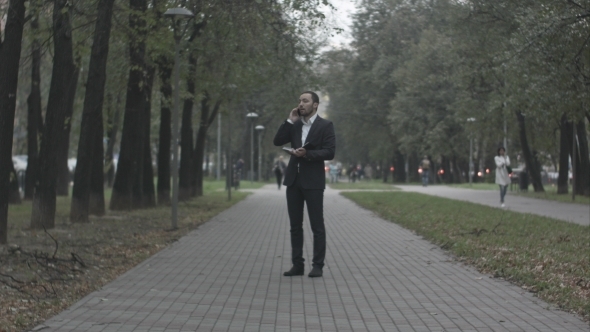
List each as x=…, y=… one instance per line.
x=314, y=199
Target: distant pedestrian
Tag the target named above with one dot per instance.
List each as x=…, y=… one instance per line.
x=333, y=172
x=368, y=171
x=238, y=173
x=360, y=173
x=352, y=174
x=502, y=173
x=240, y=167
x=425, y=166
x=279, y=170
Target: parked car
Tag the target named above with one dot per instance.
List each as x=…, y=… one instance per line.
x=20, y=162
x=20, y=166
x=72, y=165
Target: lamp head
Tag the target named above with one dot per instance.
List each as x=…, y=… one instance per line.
x=179, y=13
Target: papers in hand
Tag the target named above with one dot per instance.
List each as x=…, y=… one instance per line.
x=292, y=150
x=289, y=150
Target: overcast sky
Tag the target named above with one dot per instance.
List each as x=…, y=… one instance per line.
x=341, y=17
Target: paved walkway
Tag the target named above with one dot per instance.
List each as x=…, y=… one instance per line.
x=227, y=276
x=576, y=213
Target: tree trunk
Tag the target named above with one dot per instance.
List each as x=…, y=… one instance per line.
x=185, y=174
x=149, y=190
x=113, y=122
x=148, y=194
x=125, y=194
x=457, y=171
x=14, y=195
x=446, y=168
x=199, y=147
x=199, y=153
x=64, y=176
x=96, y=202
x=165, y=134
x=89, y=165
x=530, y=161
x=582, y=161
x=399, y=173
x=10, y=49
x=34, y=116
x=59, y=104
x=565, y=146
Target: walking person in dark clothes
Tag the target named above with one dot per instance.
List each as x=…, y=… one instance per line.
x=279, y=169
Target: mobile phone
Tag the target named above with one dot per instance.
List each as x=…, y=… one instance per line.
x=299, y=112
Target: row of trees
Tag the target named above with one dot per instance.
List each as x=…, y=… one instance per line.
x=105, y=66
x=425, y=77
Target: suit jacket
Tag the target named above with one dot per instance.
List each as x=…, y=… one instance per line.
x=322, y=140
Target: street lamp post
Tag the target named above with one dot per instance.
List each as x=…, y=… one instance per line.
x=252, y=116
x=229, y=169
x=471, y=161
x=176, y=15
x=218, y=146
x=471, y=168
x=259, y=128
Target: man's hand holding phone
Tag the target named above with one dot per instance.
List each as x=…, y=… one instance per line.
x=294, y=115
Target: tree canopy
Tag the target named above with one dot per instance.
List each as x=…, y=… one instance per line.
x=425, y=77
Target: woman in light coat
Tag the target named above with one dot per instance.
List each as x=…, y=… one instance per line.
x=502, y=176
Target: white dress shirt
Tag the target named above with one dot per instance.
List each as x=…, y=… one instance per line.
x=306, y=127
x=304, y=130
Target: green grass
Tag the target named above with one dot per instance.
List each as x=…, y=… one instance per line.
x=549, y=194
x=244, y=185
x=19, y=214
x=362, y=185
x=542, y=255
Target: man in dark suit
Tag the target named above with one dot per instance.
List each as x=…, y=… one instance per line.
x=312, y=141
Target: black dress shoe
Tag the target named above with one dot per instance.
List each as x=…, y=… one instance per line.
x=294, y=271
x=315, y=272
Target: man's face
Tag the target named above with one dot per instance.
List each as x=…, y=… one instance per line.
x=306, y=105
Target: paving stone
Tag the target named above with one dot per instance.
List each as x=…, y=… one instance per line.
x=227, y=276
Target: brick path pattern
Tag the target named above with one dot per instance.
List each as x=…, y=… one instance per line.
x=227, y=276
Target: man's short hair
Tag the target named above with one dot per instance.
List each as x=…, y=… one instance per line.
x=314, y=96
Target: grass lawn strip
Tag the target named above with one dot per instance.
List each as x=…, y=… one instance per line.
x=37, y=281
x=362, y=185
x=545, y=256
x=549, y=194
